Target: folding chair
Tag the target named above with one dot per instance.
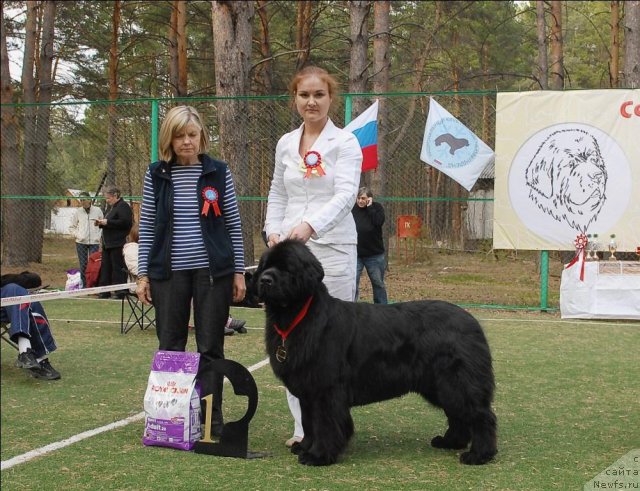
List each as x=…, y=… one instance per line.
x=4, y=331
x=139, y=314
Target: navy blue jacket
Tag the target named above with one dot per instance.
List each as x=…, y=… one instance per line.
x=217, y=241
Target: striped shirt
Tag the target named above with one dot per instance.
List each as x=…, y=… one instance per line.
x=187, y=245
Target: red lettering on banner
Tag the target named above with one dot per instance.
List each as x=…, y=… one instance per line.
x=625, y=110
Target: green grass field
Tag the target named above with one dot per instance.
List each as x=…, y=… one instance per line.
x=567, y=406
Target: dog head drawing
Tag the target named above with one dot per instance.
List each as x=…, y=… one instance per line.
x=567, y=178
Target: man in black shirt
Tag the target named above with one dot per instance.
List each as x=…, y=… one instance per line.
x=369, y=218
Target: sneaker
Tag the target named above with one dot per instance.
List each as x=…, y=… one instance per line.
x=228, y=331
x=292, y=441
x=238, y=325
x=45, y=371
x=27, y=359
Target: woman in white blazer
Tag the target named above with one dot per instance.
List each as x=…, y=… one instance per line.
x=314, y=187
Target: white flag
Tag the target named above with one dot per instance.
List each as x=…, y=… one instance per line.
x=452, y=148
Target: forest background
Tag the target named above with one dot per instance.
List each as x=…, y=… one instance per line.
x=92, y=78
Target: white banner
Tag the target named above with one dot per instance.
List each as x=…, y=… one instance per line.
x=567, y=162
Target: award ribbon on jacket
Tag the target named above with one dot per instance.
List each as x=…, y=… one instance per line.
x=581, y=245
x=312, y=164
x=210, y=196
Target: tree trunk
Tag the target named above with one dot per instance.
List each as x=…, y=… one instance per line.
x=381, y=65
x=173, y=48
x=615, y=44
x=112, y=112
x=22, y=225
x=632, y=44
x=303, y=33
x=359, y=15
x=181, y=39
x=557, y=61
x=12, y=209
x=231, y=23
x=264, y=71
x=43, y=117
x=543, y=62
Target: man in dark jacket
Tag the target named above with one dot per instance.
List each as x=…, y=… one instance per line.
x=115, y=226
x=369, y=218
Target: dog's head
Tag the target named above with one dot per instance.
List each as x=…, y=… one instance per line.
x=567, y=178
x=288, y=273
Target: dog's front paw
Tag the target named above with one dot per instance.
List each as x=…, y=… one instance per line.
x=307, y=458
x=442, y=442
x=296, y=448
x=470, y=458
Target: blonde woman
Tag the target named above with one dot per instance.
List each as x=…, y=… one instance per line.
x=190, y=249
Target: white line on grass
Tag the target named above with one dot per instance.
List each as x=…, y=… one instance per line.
x=584, y=322
x=26, y=457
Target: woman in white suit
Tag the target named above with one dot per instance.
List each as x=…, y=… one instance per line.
x=314, y=187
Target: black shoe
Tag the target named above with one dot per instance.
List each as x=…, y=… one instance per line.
x=27, y=359
x=45, y=371
x=238, y=325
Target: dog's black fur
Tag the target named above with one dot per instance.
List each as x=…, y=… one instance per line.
x=345, y=354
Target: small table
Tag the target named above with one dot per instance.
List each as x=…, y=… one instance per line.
x=610, y=290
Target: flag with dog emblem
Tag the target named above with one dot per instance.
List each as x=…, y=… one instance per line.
x=452, y=148
x=365, y=128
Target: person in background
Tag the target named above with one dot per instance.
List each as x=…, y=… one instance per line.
x=314, y=187
x=29, y=329
x=191, y=248
x=369, y=217
x=130, y=254
x=115, y=226
x=86, y=232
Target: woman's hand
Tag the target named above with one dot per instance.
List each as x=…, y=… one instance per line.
x=239, y=287
x=273, y=239
x=143, y=290
x=302, y=232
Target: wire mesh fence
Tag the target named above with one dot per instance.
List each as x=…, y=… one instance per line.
x=93, y=142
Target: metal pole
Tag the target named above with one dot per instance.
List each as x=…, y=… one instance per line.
x=154, y=130
x=347, y=109
x=544, y=280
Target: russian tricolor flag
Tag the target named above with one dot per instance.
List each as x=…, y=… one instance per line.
x=365, y=128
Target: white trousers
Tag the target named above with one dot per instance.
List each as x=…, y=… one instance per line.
x=339, y=264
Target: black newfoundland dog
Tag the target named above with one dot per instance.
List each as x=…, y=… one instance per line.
x=333, y=355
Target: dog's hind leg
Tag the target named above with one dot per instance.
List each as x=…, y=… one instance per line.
x=457, y=436
x=483, y=438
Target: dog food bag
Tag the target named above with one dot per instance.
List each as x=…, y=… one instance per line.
x=74, y=280
x=172, y=401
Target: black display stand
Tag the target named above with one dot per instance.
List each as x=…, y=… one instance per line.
x=235, y=434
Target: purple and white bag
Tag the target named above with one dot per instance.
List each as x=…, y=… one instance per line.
x=172, y=401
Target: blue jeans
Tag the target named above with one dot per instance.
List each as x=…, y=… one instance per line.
x=375, y=269
x=84, y=251
x=28, y=320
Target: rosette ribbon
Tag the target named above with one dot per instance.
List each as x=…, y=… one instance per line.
x=581, y=245
x=210, y=196
x=313, y=163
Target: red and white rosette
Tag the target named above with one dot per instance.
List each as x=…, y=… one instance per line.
x=581, y=246
x=210, y=195
x=312, y=164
